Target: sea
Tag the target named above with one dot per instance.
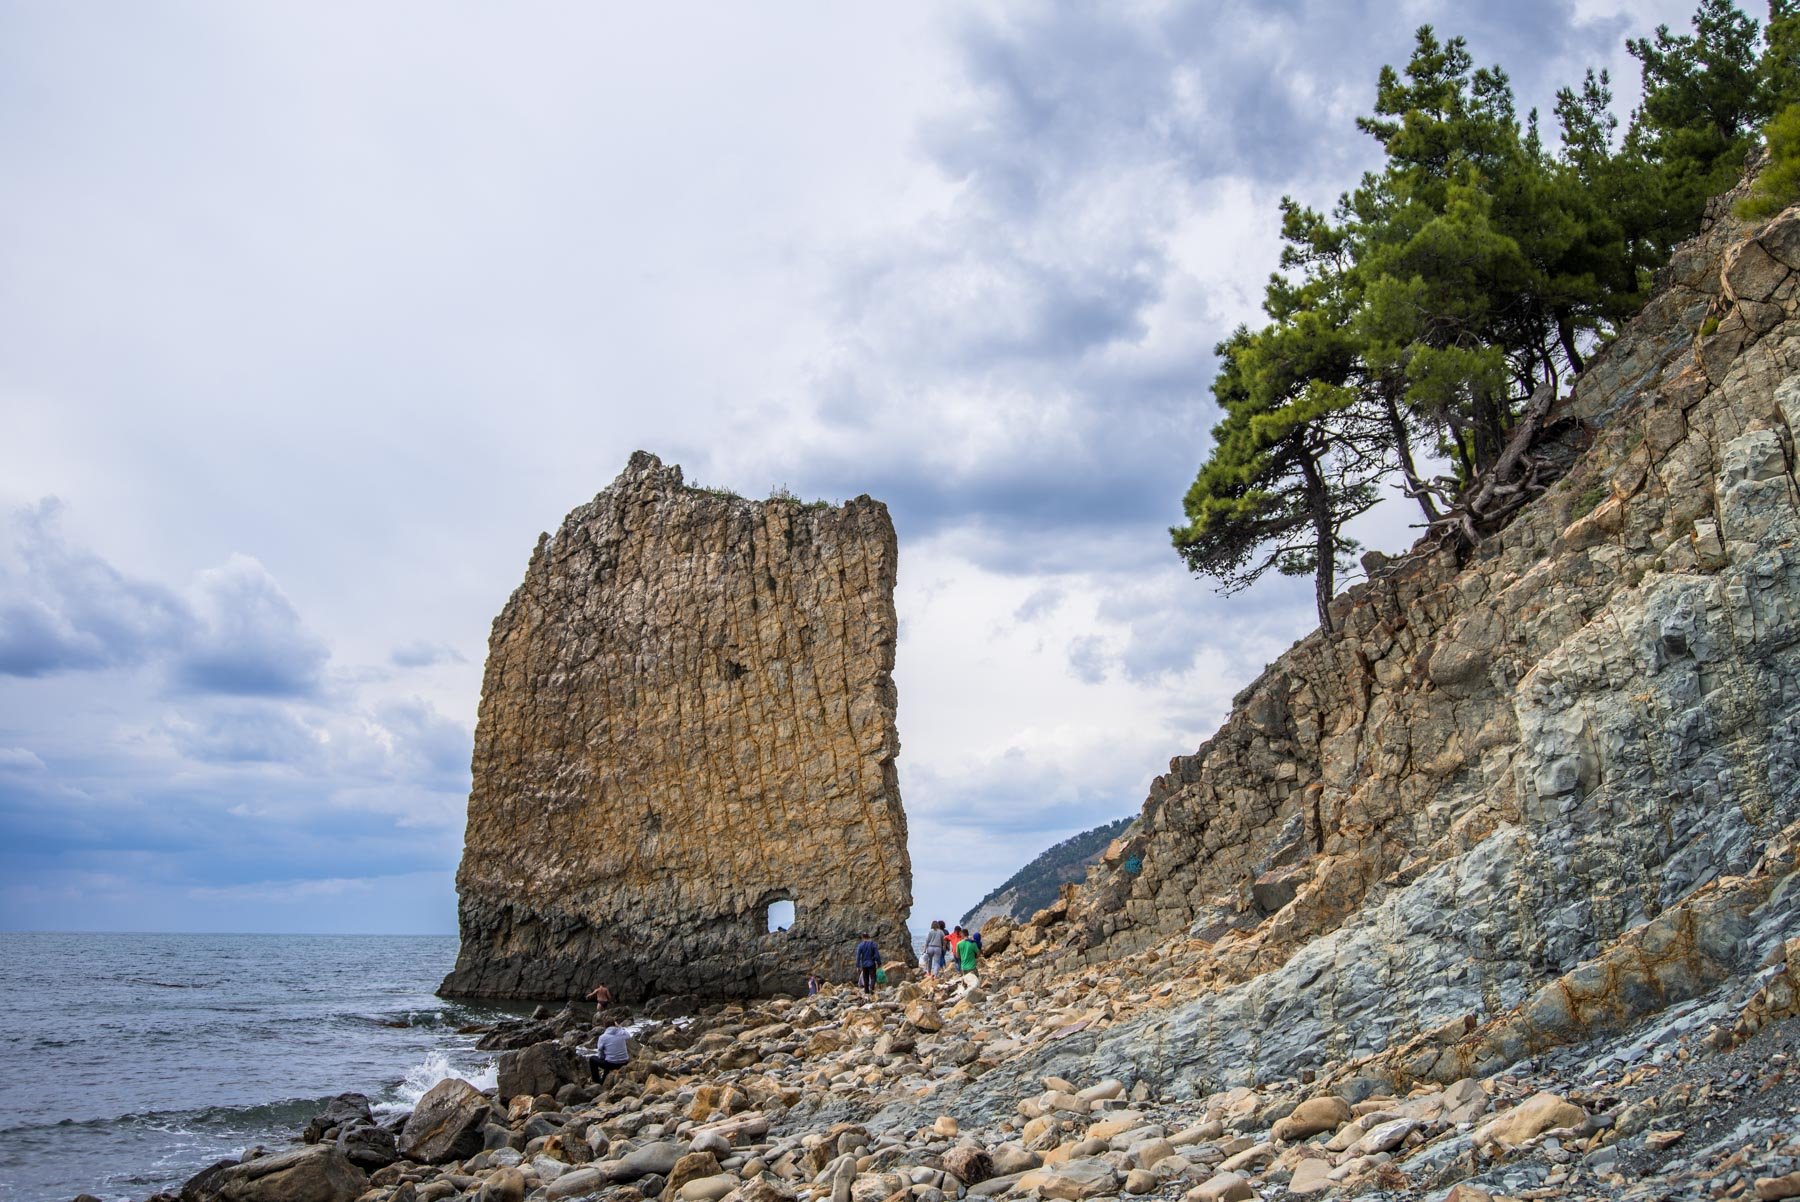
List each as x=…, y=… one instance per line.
x=134, y=1061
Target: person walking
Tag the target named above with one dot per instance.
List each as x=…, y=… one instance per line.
x=967, y=951
x=868, y=961
x=936, y=940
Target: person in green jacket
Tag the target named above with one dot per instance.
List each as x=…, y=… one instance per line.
x=966, y=951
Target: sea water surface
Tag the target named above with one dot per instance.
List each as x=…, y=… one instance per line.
x=133, y=1061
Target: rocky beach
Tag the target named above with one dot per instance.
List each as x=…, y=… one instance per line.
x=1000, y=1087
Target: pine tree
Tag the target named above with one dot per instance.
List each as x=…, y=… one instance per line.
x=1704, y=95
x=1292, y=461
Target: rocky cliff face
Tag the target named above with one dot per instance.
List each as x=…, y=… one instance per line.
x=687, y=714
x=1522, y=794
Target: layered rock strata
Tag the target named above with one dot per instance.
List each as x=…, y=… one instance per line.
x=1519, y=781
x=688, y=714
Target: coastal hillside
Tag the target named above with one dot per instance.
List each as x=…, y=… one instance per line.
x=1521, y=797
x=1037, y=884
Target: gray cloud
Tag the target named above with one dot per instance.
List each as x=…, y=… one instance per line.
x=1042, y=600
x=64, y=609
x=1018, y=793
x=247, y=732
x=422, y=653
x=250, y=641
x=1087, y=658
x=19, y=759
x=425, y=746
x=1033, y=358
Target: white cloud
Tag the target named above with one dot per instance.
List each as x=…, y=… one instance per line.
x=18, y=759
x=251, y=641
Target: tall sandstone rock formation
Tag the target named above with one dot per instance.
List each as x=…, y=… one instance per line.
x=1523, y=793
x=688, y=713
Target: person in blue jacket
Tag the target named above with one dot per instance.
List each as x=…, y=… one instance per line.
x=868, y=961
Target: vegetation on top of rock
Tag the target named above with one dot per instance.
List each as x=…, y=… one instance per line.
x=1443, y=301
x=1036, y=885
x=1778, y=185
x=784, y=493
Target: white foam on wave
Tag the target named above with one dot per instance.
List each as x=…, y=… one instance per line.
x=428, y=1072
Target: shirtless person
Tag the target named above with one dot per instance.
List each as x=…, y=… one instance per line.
x=601, y=997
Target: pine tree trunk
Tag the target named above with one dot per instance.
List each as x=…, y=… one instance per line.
x=1415, y=487
x=1565, y=333
x=1324, y=534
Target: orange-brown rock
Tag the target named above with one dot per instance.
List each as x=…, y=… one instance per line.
x=688, y=714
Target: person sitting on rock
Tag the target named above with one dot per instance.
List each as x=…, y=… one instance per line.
x=611, y=1051
x=868, y=962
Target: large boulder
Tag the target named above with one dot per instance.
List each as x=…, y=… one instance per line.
x=507, y=1185
x=345, y=1110
x=721, y=1101
x=923, y=1015
x=997, y=934
x=604, y=624
x=544, y=1067
x=317, y=1173
x=1535, y=1115
x=691, y=1167
x=1075, y=1181
x=368, y=1146
x=1327, y=1112
x=708, y=1189
x=652, y=1160
x=971, y=1165
x=446, y=1124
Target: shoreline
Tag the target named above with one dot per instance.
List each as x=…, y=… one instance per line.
x=991, y=1087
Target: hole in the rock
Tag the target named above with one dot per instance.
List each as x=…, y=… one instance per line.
x=781, y=915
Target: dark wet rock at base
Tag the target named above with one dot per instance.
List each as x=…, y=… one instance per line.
x=318, y=1173
x=368, y=1146
x=345, y=1110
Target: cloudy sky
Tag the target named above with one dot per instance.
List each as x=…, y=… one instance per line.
x=312, y=316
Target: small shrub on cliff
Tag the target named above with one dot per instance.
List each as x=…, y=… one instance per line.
x=784, y=493
x=1779, y=184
